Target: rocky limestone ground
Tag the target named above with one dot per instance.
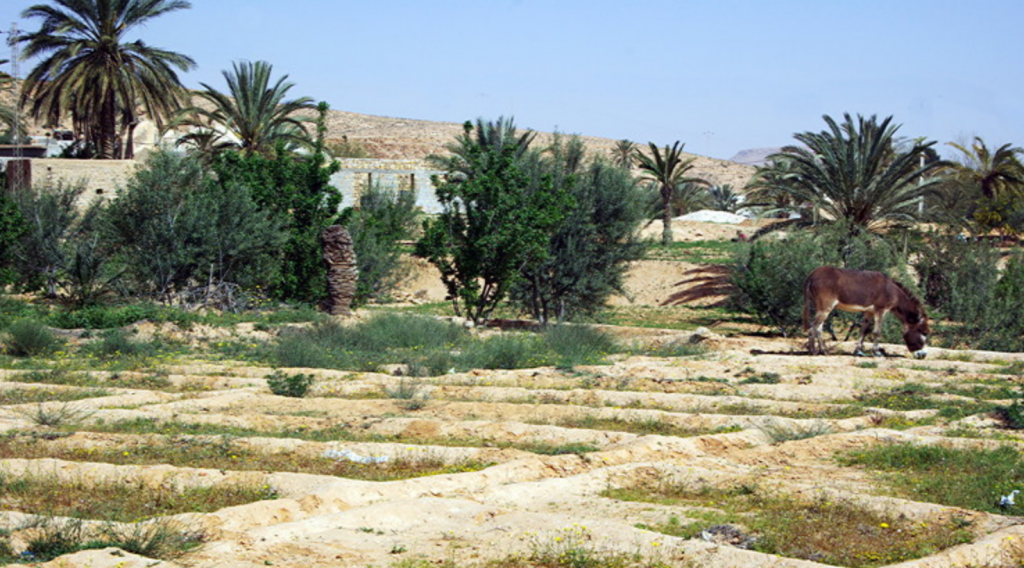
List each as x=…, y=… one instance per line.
x=697, y=420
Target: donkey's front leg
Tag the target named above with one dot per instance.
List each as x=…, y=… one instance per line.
x=878, y=334
x=865, y=329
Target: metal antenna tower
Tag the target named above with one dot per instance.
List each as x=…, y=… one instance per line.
x=12, y=40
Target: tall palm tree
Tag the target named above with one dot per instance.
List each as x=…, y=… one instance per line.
x=91, y=73
x=994, y=173
x=253, y=116
x=852, y=172
x=667, y=169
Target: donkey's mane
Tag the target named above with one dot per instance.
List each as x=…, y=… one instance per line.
x=910, y=295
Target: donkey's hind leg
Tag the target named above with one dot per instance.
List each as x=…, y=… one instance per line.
x=816, y=336
x=866, y=326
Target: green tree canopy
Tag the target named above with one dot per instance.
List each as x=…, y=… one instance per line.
x=851, y=172
x=589, y=251
x=91, y=73
x=494, y=219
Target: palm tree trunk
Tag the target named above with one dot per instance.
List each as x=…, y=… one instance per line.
x=666, y=215
x=108, y=130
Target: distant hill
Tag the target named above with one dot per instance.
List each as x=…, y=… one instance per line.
x=412, y=139
x=754, y=156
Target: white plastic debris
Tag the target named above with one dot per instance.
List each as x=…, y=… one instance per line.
x=353, y=457
x=1007, y=500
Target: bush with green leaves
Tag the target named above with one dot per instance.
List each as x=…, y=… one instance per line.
x=296, y=190
x=61, y=247
x=106, y=317
x=589, y=250
x=384, y=219
x=579, y=345
x=495, y=220
x=963, y=279
x=117, y=343
x=769, y=274
x=12, y=226
x=28, y=338
x=295, y=386
x=175, y=228
x=50, y=215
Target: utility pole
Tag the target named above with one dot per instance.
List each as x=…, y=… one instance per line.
x=19, y=180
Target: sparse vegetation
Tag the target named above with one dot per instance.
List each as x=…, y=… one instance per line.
x=973, y=478
x=823, y=528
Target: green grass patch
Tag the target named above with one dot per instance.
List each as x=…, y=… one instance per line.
x=969, y=478
x=642, y=427
x=695, y=252
x=331, y=434
x=222, y=453
x=430, y=347
x=143, y=381
x=818, y=529
x=9, y=396
x=122, y=501
x=913, y=396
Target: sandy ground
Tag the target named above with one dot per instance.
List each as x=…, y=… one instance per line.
x=527, y=500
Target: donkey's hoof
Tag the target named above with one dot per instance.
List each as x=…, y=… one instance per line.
x=859, y=353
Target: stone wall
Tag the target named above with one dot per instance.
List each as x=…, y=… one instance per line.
x=357, y=174
x=104, y=177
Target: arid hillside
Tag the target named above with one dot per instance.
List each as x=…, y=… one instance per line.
x=404, y=139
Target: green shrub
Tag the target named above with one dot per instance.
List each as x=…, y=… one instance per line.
x=12, y=227
x=29, y=337
x=117, y=343
x=494, y=218
x=578, y=345
x=769, y=275
x=386, y=338
x=589, y=251
x=106, y=317
x=506, y=351
x=962, y=279
x=174, y=226
x=383, y=219
x=295, y=386
x=296, y=190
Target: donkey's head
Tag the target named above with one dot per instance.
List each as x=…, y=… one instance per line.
x=915, y=334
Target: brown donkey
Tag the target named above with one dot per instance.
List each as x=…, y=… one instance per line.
x=872, y=293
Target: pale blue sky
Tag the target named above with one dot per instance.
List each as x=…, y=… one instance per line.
x=719, y=75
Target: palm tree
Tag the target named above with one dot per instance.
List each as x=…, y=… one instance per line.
x=994, y=173
x=622, y=153
x=91, y=73
x=724, y=198
x=479, y=140
x=252, y=116
x=851, y=172
x=667, y=169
